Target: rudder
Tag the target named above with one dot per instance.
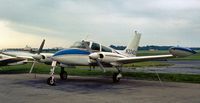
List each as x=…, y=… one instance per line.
x=132, y=47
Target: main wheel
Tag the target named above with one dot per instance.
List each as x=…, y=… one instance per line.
x=63, y=75
x=116, y=77
x=51, y=81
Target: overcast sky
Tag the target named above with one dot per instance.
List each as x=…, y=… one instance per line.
x=61, y=22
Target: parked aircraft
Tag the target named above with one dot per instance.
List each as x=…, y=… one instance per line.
x=88, y=53
x=9, y=60
x=22, y=57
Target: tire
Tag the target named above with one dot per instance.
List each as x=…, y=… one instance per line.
x=51, y=82
x=115, y=79
x=63, y=75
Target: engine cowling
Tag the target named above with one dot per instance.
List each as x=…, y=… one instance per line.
x=96, y=56
x=106, y=57
x=37, y=56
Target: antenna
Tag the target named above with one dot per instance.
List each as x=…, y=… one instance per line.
x=86, y=37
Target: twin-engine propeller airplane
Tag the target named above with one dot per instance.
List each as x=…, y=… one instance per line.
x=87, y=53
x=22, y=57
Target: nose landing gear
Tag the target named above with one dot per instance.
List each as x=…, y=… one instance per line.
x=51, y=81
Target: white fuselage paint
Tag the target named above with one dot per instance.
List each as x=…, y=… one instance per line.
x=73, y=59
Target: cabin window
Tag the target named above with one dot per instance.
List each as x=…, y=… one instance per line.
x=106, y=49
x=95, y=46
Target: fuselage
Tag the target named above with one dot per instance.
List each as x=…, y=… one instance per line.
x=72, y=56
x=79, y=55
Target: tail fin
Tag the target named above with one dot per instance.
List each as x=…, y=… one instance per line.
x=132, y=47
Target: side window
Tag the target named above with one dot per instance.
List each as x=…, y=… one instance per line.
x=95, y=46
x=105, y=49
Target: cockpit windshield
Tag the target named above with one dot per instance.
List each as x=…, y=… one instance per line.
x=79, y=45
x=94, y=46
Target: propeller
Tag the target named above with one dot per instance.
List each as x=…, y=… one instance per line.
x=37, y=56
x=96, y=59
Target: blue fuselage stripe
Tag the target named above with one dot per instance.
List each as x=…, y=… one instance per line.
x=72, y=52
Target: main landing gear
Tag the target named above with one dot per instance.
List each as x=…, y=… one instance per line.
x=117, y=76
x=63, y=74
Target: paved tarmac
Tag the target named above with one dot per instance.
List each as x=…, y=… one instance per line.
x=24, y=88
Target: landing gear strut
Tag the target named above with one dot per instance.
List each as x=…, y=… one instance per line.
x=117, y=76
x=51, y=80
x=63, y=74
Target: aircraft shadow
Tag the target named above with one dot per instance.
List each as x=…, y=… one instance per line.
x=93, y=85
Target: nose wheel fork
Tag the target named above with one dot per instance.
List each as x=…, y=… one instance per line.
x=51, y=81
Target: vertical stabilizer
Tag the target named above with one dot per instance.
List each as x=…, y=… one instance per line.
x=132, y=47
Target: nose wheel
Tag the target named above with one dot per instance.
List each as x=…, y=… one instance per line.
x=51, y=81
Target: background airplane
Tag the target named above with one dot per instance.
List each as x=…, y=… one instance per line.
x=88, y=53
x=6, y=60
x=22, y=57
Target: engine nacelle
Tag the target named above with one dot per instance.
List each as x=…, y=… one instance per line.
x=181, y=52
x=37, y=56
x=43, y=58
x=96, y=56
x=106, y=57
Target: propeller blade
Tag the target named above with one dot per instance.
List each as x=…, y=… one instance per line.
x=97, y=60
x=101, y=66
x=32, y=67
x=41, y=47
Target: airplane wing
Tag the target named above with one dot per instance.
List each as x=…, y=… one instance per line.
x=12, y=60
x=19, y=54
x=142, y=58
x=174, y=52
